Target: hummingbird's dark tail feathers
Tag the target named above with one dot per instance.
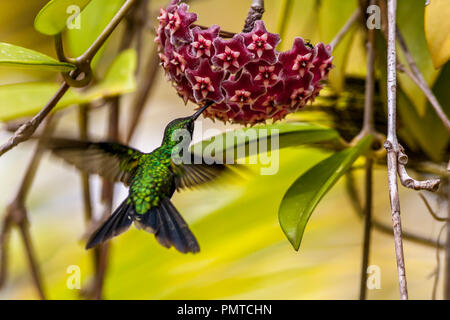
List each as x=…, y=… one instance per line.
x=163, y=221
x=116, y=224
x=169, y=227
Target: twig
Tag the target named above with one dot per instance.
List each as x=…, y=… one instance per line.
x=27, y=129
x=347, y=26
x=144, y=90
x=437, y=272
x=254, y=14
x=368, y=129
x=407, y=181
x=16, y=215
x=431, y=211
x=447, y=249
x=392, y=148
x=418, y=79
x=380, y=226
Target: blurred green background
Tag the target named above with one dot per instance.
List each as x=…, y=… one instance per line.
x=244, y=253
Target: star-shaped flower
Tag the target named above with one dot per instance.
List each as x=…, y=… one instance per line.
x=243, y=91
x=177, y=24
x=231, y=55
x=181, y=60
x=263, y=73
x=296, y=91
x=322, y=63
x=203, y=41
x=206, y=83
x=299, y=60
x=262, y=43
x=184, y=90
x=268, y=102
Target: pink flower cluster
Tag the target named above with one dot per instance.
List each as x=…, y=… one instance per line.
x=246, y=77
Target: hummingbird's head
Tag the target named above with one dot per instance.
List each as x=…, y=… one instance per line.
x=186, y=123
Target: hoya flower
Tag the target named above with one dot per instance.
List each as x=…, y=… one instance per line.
x=299, y=60
x=184, y=89
x=264, y=74
x=177, y=23
x=202, y=46
x=248, y=80
x=243, y=91
x=231, y=55
x=322, y=63
x=262, y=43
x=296, y=91
x=269, y=102
x=206, y=83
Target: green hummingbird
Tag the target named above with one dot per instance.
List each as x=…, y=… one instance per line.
x=152, y=179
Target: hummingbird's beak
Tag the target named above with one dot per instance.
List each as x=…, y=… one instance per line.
x=199, y=112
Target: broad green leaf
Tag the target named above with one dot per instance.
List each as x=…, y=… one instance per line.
x=437, y=26
x=11, y=55
x=95, y=18
x=54, y=17
x=411, y=24
x=332, y=17
x=289, y=134
x=303, y=196
x=26, y=99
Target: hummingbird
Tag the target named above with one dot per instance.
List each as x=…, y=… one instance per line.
x=152, y=179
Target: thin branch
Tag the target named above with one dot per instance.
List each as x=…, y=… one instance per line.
x=431, y=211
x=419, y=80
x=437, y=272
x=98, y=43
x=254, y=14
x=392, y=148
x=380, y=226
x=145, y=88
x=368, y=128
x=447, y=249
x=407, y=181
x=367, y=228
x=346, y=28
x=16, y=215
x=27, y=130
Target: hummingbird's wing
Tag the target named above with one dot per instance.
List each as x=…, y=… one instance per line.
x=196, y=172
x=112, y=161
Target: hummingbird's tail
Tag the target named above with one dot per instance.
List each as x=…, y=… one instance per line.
x=163, y=221
x=116, y=224
x=169, y=227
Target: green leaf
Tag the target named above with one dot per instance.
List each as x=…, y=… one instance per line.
x=438, y=40
x=303, y=196
x=332, y=17
x=411, y=24
x=289, y=133
x=96, y=16
x=119, y=79
x=11, y=55
x=54, y=16
x=26, y=99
